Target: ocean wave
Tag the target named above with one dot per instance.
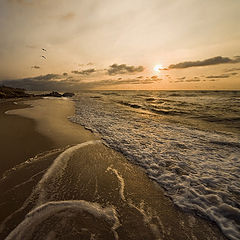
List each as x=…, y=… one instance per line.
x=130, y=104
x=189, y=163
x=54, y=219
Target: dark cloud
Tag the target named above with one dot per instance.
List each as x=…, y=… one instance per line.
x=85, y=72
x=85, y=64
x=181, y=78
x=56, y=82
x=133, y=81
x=35, y=67
x=153, y=79
x=206, y=62
x=193, y=80
x=46, y=77
x=233, y=69
x=219, y=76
x=179, y=81
x=42, y=82
x=123, y=69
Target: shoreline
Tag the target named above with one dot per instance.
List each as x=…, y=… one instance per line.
x=49, y=119
x=50, y=116
x=17, y=134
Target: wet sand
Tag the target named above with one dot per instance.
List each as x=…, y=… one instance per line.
x=93, y=173
x=19, y=139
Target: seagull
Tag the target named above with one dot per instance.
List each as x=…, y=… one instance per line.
x=44, y=49
x=44, y=57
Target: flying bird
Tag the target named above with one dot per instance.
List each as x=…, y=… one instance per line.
x=44, y=57
x=44, y=49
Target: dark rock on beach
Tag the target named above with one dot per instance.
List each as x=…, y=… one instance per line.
x=57, y=94
x=9, y=92
x=53, y=94
x=67, y=94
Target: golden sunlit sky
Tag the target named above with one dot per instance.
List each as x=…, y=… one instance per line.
x=127, y=44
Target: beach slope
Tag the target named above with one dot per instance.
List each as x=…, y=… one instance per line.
x=79, y=188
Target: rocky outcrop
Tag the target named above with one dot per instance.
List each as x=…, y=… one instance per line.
x=53, y=94
x=57, y=94
x=9, y=92
x=67, y=94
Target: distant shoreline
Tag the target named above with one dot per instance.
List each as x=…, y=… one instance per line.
x=14, y=93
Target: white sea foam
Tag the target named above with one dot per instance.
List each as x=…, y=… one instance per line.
x=46, y=208
x=121, y=181
x=26, y=228
x=57, y=169
x=147, y=217
x=199, y=169
x=59, y=98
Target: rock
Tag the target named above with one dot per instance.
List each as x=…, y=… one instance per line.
x=67, y=94
x=9, y=92
x=54, y=94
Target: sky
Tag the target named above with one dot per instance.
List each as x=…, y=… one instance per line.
x=111, y=44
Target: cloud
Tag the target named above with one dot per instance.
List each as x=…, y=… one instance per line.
x=120, y=81
x=183, y=79
x=85, y=64
x=85, y=72
x=152, y=79
x=219, y=76
x=42, y=82
x=233, y=69
x=57, y=82
x=193, y=80
x=46, y=77
x=206, y=62
x=123, y=69
x=35, y=67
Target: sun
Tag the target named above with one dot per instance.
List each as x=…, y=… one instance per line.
x=158, y=67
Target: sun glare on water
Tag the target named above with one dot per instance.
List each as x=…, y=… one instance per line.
x=158, y=67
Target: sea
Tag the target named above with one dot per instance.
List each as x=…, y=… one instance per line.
x=186, y=142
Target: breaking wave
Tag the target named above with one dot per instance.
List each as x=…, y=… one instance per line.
x=199, y=168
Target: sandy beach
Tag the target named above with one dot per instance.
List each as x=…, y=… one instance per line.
x=19, y=139
x=58, y=166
